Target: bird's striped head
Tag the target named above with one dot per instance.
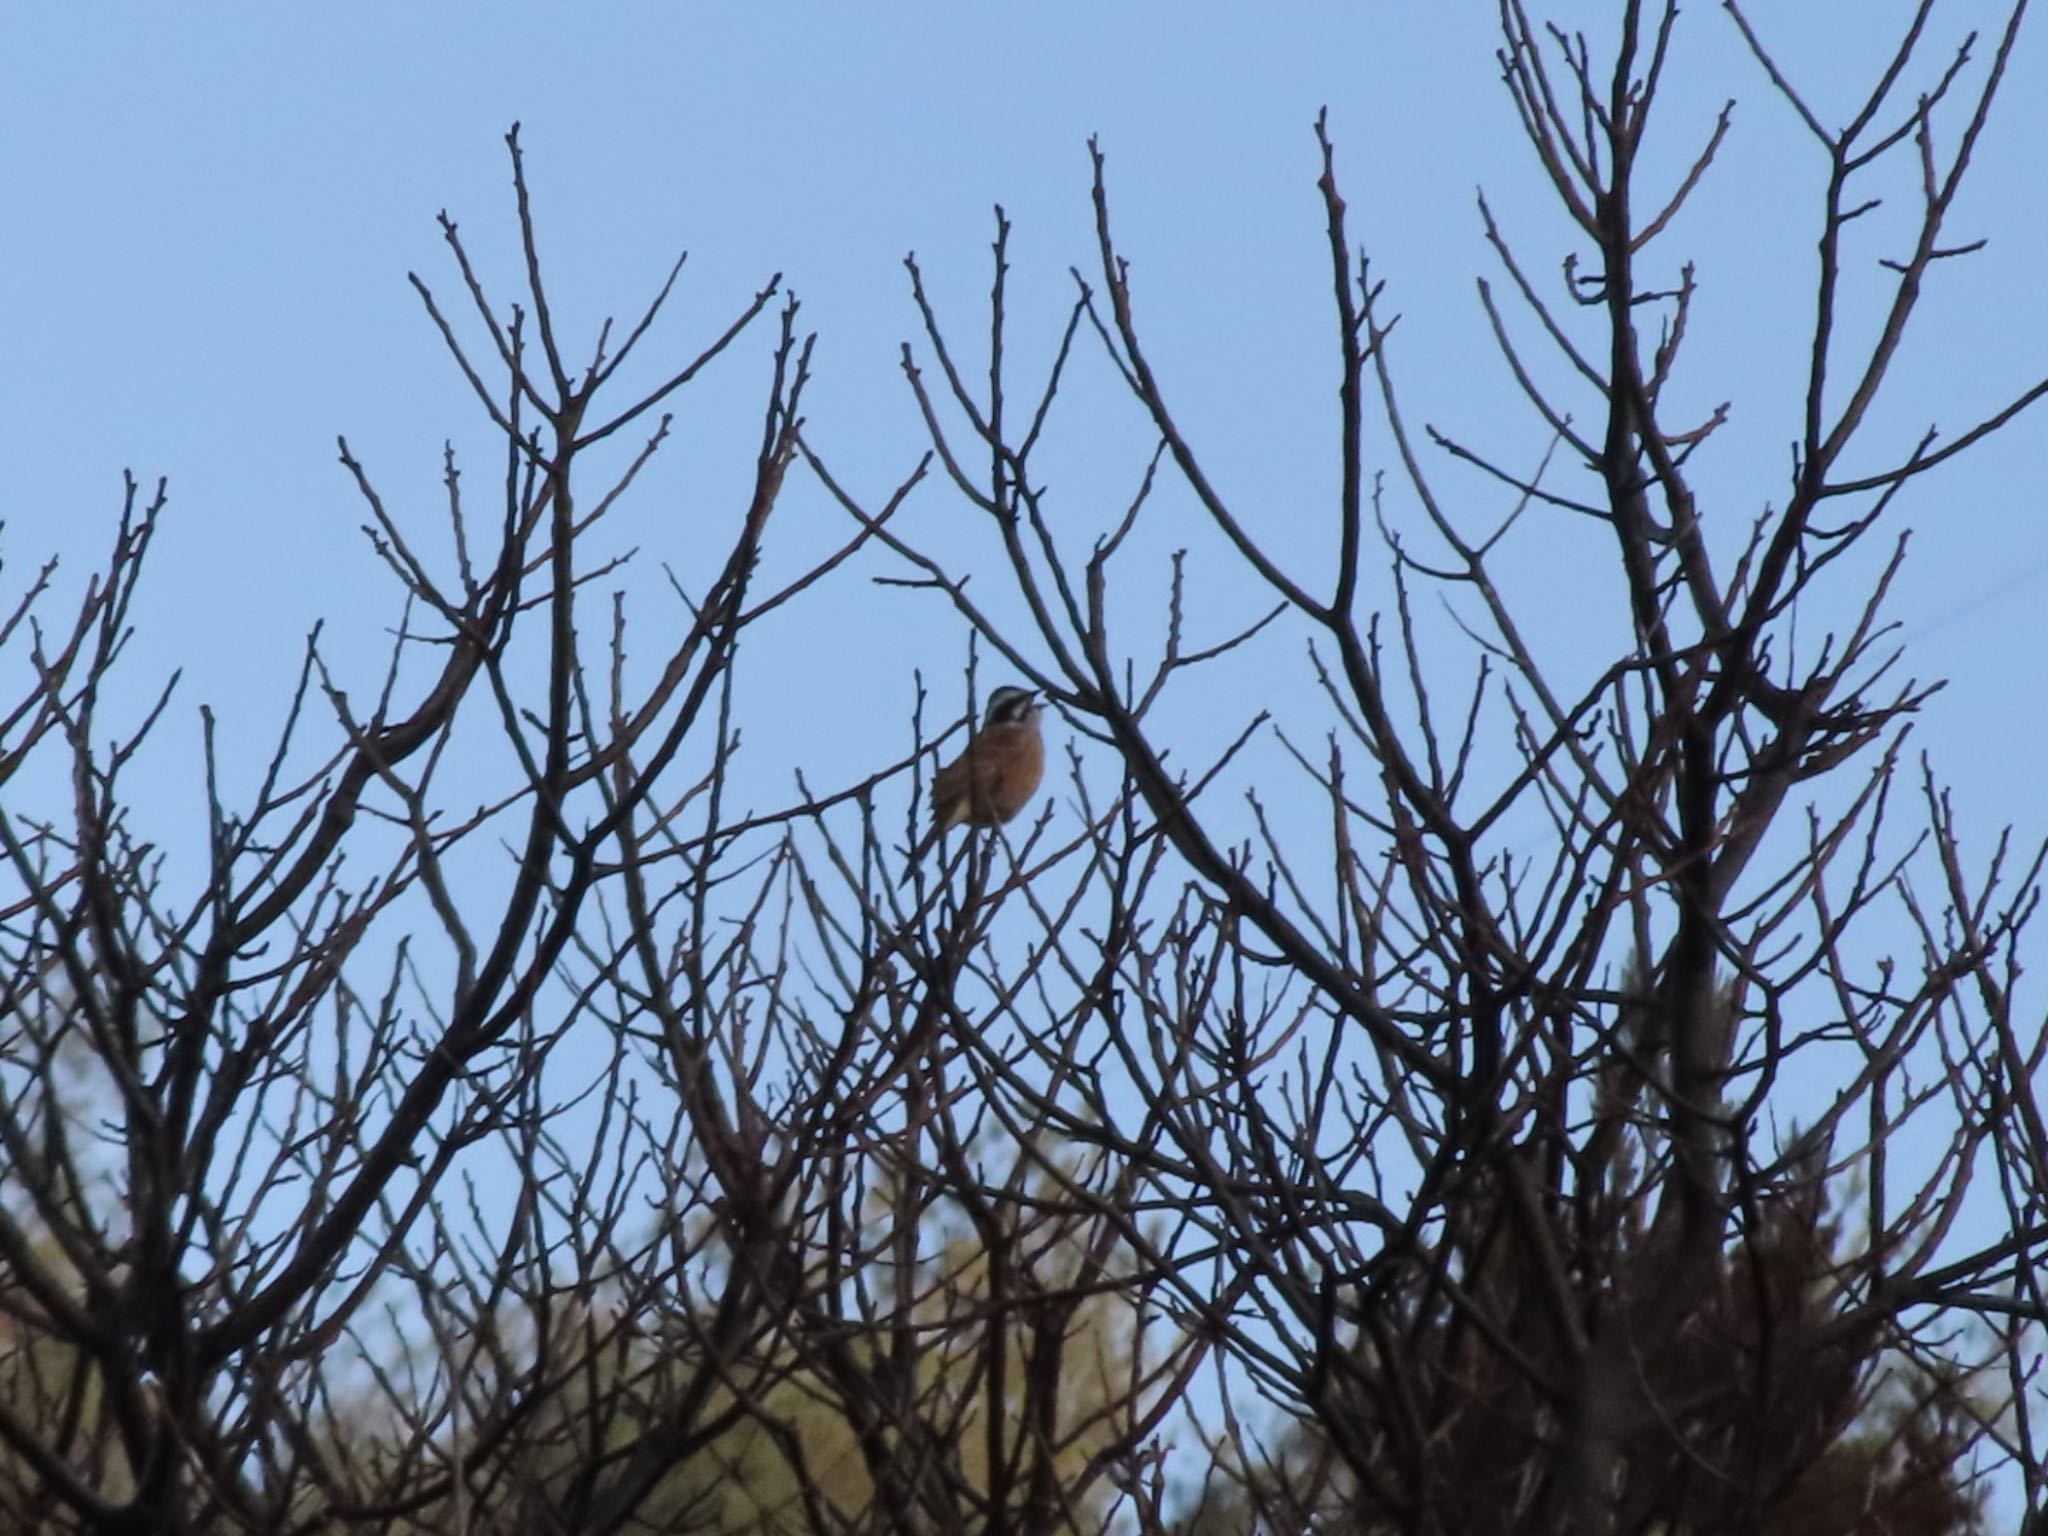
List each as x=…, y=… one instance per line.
x=1011, y=706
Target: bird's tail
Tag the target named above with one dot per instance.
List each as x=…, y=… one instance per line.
x=923, y=845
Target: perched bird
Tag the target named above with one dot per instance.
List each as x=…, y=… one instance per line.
x=995, y=776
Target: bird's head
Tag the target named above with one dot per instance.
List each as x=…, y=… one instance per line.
x=1007, y=706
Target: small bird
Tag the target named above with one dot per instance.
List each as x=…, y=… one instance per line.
x=995, y=776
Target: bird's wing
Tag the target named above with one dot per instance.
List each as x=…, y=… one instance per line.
x=952, y=788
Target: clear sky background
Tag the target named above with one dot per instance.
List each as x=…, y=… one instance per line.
x=207, y=214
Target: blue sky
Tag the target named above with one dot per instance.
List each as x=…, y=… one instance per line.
x=207, y=215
